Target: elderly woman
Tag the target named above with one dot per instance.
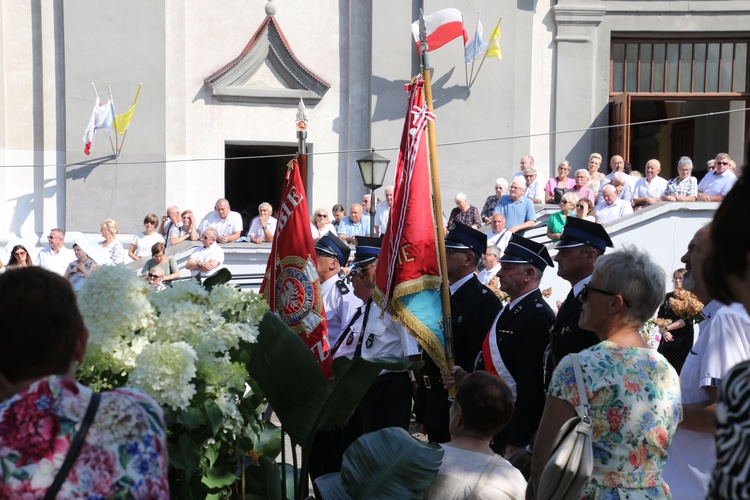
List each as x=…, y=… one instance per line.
x=142, y=242
x=188, y=231
x=159, y=259
x=320, y=224
x=633, y=391
x=556, y=221
x=42, y=407
x=263, y=226
x=595, y=177
x=501, y=188
x=114, y=248
x=556, y=186
x=585, y=210
x=684, y=187
x=19, y=257
x=483, y=406
x=464, y=213
x=79, y=269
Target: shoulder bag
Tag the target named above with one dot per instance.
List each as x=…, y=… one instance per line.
x=571, y=463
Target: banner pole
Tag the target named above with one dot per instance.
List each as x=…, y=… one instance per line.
x=435, y=174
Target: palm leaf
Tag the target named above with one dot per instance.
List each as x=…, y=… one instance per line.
x=389, y=463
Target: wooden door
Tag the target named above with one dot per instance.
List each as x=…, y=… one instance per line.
x=619, y=119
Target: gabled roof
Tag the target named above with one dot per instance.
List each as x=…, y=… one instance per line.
x=267, y=71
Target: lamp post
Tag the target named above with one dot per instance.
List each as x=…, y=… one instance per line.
x=373, y=168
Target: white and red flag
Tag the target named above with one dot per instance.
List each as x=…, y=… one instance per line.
x=442, y=27
x=291, y=285
x=101, y=118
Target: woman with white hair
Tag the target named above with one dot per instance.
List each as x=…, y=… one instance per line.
x=464, y=213
x=263, y=226
x=556, y=222
x=684, y=187
x=632, y=390
x=501, y=189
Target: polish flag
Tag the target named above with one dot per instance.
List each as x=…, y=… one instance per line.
x=442, y=27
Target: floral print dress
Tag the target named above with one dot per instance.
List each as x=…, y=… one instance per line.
x=124, y=455
x=634, y=398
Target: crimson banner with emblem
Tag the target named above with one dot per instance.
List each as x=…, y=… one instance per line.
x=291, y=284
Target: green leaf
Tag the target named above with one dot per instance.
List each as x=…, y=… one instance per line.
x=185, y=455
x=256, y=476
x=213, y=412
x=301, y=397
x=192, y=418
x=272, y=476
x=218, y=477
x=212, y=453
x=389, y=463
x=269, y=441
x=220, y=277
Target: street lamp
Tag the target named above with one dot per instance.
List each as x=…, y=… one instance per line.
x=373, y=168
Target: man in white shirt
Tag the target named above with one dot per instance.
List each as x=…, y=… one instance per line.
x=534, y=187
x=491, y=261
x=723, y=342
x=383, y=212
x=498, y=235
x=205, y=260
x=228, y=224
x=650, y=189
x=716, y=183
x=56, y=257
x=612, y=207
x=263, y=226
x=170, y=224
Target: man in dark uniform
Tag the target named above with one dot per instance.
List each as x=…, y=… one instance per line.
x=581, y=243
x=514, y=345
x=473, y=307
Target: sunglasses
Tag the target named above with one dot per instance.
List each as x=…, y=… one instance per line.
x=153, y=276
x=584, y=296
x=722, y=163
x=149, y=222
x=581, y=207
x=322, y=216
x=19, y=252
x=361, y=270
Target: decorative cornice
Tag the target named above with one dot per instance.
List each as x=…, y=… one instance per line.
x=268, y=46
x=575, y=15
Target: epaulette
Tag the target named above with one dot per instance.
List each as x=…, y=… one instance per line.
x=341, y=285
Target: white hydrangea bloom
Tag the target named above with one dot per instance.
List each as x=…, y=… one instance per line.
x=165, y=371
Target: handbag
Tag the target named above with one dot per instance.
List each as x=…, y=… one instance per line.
x=571, y=463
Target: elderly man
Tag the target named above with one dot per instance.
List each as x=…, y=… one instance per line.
x=366, y=205
x=170, y=224
x=263, y=227
x=716, y=184
x=205, y=260
x=620, y=180
x=340, y=304
x=723, y=342
x=534, y=187
x=581, y=188
x=684, y=187
x=228, y=224
x=527, y=161
x=514, y=346
x=611, y=208
x=516, y=208
x=56, y=257
x=581, y=244
x=498, y=235
x=353, y=225
x=473, y=307
x=491, y=261
x=649, y=189
x=383, y=212
x=501, y=188
x=155, y=278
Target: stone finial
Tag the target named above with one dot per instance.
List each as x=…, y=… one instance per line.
x=270, y=8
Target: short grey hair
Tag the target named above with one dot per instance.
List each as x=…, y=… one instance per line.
x=632, y=274
x=211, y=232
x=265, y=205
x=564, y=163
x=570, y=198
x=685, y=160
x=583, y=171
x=519, y=183
x=502, y=182
x=494, y=250
x=620, y=177
x=529, y=170
x=460, y=197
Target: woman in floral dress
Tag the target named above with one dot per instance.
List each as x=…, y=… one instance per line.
x=633, y=392
x=41, y=405
x=464, y=213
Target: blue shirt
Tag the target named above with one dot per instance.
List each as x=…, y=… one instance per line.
x=515, y=212
x=347, y=227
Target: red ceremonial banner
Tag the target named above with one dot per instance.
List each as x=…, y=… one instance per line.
x=291, y=285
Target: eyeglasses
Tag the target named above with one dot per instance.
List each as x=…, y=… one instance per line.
x=149, y=222
x=722, y=163
x=361, y=270
x=580, y=207
x=18, y=253
x=588, y=288
x=322, y=216
x=515, y=187
x=153, y=276
x=50, y=237
x=529, y=176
